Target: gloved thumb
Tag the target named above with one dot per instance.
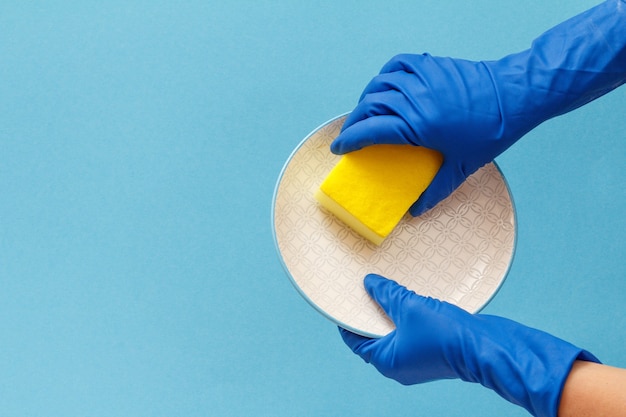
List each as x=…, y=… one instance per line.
x=388, y=294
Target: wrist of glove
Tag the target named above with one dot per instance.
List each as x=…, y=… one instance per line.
x=473, y=111
x=435, y=340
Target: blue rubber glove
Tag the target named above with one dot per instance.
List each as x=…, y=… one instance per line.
x=473, y=111
x=435, y=340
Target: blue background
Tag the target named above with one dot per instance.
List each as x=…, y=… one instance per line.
x=140, y=143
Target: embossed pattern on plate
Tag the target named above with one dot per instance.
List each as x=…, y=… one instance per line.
x=459, y=252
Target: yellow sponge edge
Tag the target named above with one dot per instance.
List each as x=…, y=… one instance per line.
x=372, y=189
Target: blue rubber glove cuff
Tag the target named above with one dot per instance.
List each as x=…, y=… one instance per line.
x=472, y=111
x=435, y=340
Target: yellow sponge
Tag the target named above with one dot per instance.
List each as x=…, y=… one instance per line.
x=372, y=189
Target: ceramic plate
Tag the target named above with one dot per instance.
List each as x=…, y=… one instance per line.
x=459, y=252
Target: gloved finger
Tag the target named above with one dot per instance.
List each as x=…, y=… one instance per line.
x=356, y=342
x=371, y=131
x=448, y=178
x=381, y=103
x=401, y=63
x=370, y=350
x=401, y=81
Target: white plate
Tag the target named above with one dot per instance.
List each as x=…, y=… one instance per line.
x=460, y=251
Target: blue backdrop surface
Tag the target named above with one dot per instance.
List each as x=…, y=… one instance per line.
x=140, y=143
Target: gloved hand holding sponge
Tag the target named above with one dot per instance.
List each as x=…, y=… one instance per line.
x=471, y=112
